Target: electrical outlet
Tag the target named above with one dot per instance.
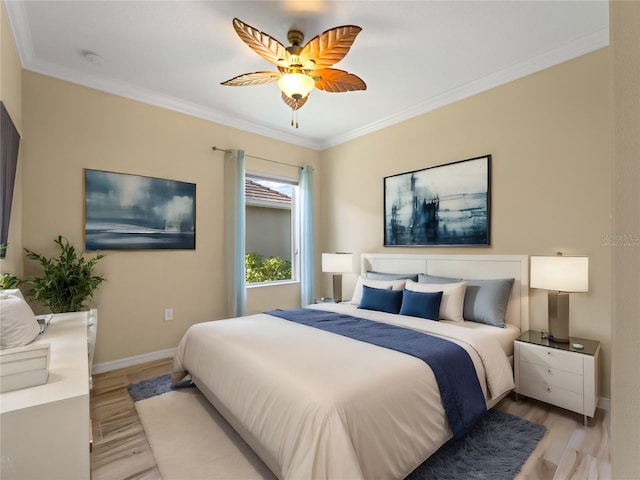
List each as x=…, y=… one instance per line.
x=168, y=313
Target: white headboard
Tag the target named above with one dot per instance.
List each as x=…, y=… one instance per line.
x=463, y=266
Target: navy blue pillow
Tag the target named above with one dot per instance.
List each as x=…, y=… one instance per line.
x=381, y=300
x=421, y=304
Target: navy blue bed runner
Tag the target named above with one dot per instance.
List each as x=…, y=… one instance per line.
x=452, y=366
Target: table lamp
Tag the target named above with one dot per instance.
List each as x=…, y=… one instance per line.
x=560, y=275
x=337, y=263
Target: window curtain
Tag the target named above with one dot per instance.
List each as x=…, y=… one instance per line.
x=306, y=236
x=234, y=178
x=9, y=145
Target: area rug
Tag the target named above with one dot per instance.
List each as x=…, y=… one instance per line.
x=190, y=441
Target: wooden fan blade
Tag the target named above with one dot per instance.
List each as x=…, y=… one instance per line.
x=334, y=80
x=264, y=45
x=329, y=47
x=255, y=78
x=292, y=103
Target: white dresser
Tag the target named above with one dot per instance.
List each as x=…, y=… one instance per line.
x=45, y=430
x=558, y=373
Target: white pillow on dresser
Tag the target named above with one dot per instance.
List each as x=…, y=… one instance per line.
x=452, y=304
x=13, y=291
x=370, y=282
x=18, y=324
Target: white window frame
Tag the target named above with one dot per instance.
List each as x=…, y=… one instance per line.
x=295, y=225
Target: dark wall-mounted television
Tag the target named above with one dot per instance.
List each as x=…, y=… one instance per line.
x=9, y=145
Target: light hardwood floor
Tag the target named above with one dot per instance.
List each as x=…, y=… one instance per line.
x=568, y=450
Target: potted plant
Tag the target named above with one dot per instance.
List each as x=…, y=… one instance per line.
x=68, y=280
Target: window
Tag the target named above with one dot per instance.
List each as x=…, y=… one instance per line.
x=271, y=239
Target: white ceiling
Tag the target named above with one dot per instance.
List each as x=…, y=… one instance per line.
x=415, y=56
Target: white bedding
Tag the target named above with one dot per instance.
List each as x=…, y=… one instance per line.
x=315, y=405
x=504, y=336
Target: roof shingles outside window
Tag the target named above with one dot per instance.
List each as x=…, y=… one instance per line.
x=254, y=192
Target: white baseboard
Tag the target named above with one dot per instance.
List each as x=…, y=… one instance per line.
x=604, y=403
x=131, y=361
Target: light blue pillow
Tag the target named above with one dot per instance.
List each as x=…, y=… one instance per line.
x=381, y=300
x=422, y=278
x=392, y=276
x=421, y=304
x=485, y=301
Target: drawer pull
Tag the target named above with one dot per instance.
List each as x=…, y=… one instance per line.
x=549, y=371
x=548, y=352
x=548, y=390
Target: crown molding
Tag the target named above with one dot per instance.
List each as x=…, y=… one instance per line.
x=168, y=102
x=20, y=28
x=17, y=20
x=581, y=46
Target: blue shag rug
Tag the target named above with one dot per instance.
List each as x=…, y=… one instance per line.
x=495, y=448
x=154, y=386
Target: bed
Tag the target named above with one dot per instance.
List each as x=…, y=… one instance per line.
x=316, y=404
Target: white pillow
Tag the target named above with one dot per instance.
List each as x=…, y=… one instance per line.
x=13, y=291
x=18, y=324
x=370, y=282
x=452, y=304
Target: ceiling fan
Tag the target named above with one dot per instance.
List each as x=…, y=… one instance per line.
x=300, y=68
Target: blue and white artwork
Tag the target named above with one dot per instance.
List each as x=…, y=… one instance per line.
x=443, y=205
x=125, y=211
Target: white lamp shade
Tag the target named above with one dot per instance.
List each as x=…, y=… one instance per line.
x=564, y=274
x=294, y=84
x=337, y=263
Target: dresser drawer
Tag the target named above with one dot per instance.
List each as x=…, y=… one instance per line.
x=554, y=395
x=532, y=373
x=550, y=357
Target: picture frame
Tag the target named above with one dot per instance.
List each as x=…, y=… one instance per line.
x=444, y=205
x=123, y=211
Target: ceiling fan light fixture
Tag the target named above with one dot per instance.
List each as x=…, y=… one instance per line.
x=300, y=68
x=296, y=85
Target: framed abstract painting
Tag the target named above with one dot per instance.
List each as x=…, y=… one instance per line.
x=124, y=211
x=445, y=205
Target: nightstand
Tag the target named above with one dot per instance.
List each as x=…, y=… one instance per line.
x=558, y=373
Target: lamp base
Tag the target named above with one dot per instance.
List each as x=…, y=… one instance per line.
x=337, y=288
x=559, y=317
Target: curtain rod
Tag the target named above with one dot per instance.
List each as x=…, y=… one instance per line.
x=214, y=148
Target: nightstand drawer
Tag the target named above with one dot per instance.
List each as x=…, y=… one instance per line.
x=550, y=357
x=554, y=395
x=532, y=373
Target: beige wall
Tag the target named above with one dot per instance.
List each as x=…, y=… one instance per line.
x=68, y=128
x=11, y=96
x=549, y=136
x=625, y=395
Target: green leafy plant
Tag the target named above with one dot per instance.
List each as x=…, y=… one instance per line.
x=259, y=269
x=8, y=280
x=68, y=280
